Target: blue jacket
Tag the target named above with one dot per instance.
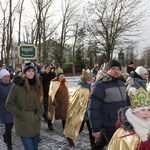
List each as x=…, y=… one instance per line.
x=107, y=96
x=5, y=115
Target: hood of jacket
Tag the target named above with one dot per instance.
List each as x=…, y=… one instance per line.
x=123, y=120
x=18, y=80
x=104, y=76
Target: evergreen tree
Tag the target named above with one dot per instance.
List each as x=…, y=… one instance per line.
x=79, y=60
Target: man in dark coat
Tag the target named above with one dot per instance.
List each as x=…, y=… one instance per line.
x=108, y=95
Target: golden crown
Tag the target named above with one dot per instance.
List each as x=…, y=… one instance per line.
x=87, y=73
x=140, y=98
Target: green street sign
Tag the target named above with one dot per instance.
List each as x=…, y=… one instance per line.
x=121, y=58
x=26, y=51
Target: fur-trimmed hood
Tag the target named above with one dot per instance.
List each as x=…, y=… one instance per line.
x=123, y=120
x=18, y=80
x=104, y=76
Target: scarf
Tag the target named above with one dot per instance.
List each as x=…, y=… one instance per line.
x=142, y=82
x=32, y=81
x=80, y=82
x=142, y=128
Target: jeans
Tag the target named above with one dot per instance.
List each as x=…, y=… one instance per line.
x=31, y=143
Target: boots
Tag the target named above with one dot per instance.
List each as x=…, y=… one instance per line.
x=9, y=147
x=70, y=142
x=51, y=128
x=4, y=136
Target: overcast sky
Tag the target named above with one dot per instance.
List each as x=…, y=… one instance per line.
x=144, y=37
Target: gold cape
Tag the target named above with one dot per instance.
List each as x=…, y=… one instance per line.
x=76, y=111
x=53, y=89
x=124, y=140
x=51, y=95
x=54, y=85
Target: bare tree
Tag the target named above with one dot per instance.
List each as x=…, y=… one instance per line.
x=78, y=35
x=111, y=22
x=145, y=57
x=8, y=26
x=3, y=23
x=40, y=28
x=69, y=10
x=30, y=32
x=20, y=20
x=130, y=53
x=41, y=8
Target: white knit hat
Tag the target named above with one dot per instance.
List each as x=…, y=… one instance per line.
x=4, y=72
x=141, y=70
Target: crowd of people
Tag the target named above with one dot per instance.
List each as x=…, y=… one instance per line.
x=115, y=105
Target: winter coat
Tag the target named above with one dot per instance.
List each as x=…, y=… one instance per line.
x=126, y=138
x=94, y=72
x=135, y=81
x=27, y=112
x=130, y=69
x=46, y=78
x=5, y=115
x=59, y=98
x=107, y=96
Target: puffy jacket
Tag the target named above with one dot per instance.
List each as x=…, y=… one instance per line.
x=107, y=96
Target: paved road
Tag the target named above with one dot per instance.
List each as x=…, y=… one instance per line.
x=51, y=140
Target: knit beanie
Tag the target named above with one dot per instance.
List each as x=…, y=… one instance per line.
x=28, y=65
x=59, y=71
x=111, y=64
x=4, y=72
x=141, y=70
x=131, y=63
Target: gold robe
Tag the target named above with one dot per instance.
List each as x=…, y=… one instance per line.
x=52, y=90
x=54, y=86
x=124, y=140
x=76, y=111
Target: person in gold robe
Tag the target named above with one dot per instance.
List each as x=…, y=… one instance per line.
x=58, y=98
x=77, y=109
x=134, y=133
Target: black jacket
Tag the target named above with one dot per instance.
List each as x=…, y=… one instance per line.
x=46, y=78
